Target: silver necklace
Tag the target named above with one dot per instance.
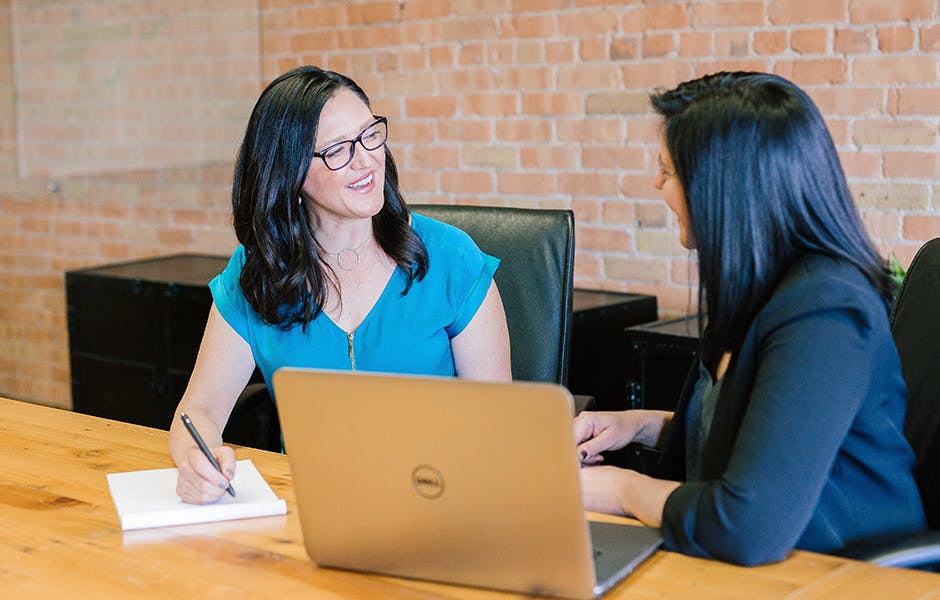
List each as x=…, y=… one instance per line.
x=348, y=259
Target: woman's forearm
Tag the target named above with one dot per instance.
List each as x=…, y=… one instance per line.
x=654, y=424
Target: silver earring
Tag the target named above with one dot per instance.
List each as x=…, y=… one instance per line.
x=300, y=200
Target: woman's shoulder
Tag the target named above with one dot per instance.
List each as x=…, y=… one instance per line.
x=438, y=235
x=236, y=262
x=818, y=282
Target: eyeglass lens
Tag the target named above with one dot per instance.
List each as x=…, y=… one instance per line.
x=339, y=155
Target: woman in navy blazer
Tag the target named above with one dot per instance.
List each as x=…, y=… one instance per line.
x=788, y=433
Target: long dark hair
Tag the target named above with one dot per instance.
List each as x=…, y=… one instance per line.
x=283, y=278
x=764, y=186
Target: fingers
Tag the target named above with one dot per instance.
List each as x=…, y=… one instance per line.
x=590, y=451
x=199, y=482
x=583, y=427
x=226, y=457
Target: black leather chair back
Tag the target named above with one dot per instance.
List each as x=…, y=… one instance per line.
x=915, y=324
x=536, y=247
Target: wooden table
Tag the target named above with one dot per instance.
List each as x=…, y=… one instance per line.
x=60, y=537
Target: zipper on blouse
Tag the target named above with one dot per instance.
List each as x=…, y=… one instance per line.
x=352, y=353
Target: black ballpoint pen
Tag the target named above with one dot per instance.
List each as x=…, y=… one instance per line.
x=202, y=446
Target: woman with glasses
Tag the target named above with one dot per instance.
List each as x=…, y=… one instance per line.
x=789, y=432
x=332, y=271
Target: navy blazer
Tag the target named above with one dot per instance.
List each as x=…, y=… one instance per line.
x=806, y=447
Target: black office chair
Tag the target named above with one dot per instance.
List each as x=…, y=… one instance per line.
x=536, y=247
x=915, y=324
x=535, y=277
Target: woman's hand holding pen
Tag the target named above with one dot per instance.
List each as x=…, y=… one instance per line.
x=199, y=482
x=204, y=473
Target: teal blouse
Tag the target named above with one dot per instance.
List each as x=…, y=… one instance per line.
x=408, y=333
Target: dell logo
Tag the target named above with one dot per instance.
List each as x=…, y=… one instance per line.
x=427, y=481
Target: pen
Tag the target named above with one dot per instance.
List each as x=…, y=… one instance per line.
x=202, y=446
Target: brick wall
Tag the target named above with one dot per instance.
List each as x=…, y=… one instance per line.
x=518, y=102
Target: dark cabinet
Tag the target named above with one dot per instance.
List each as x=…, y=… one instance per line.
x=134, y=332
x=598, y=355
x=660, y=355
x=658, y=358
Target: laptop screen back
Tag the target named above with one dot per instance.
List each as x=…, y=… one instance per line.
x=443, y=479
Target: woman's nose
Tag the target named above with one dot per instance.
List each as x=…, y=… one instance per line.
x=363, y=158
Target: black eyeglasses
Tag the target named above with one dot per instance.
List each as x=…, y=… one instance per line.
x=338, y=155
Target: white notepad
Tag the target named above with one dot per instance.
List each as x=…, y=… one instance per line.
x=148, y=499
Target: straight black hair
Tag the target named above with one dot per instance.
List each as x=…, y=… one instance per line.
x=283, y=278
x=764, y=186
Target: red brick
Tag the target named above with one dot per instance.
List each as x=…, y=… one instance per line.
x=770, y=41
x=612, y=157
x=620, y=212
x=650, y=74
x=809, y=41
x=917, y=101
x=921, y=227
x=658, y=45
x=421, y=32
x=535, y=26
x=587, y=210
x=732, y=43
x=905, y=132
x=541, y=5
x=703, y=67
x=471, y=53
x=596, y=129
x=465, y=130
x=441, y=106
x=435, y=156
x=464, y=29
x=526, y=131
x=525, y=78
x=587, y=24
x=882, y=225
x=529, y=52
x=466, y=80
x=481, y=7
x=424, y=9
x=586, y=184
x=602, y=238
x=549, y=158
x=475, y=182
x=911, y=165
x=489, y=104
x=930, y=38
x=559, y=51
x=850, y=101
x=644, y=18
x=895, y=39
x=695, y=43
x=592, y=49
x=588, y=77
x=624, y=48
x=526, y=183
x=728, y=14
x=865, y=165
x=879, y=11
x=792, y=12
x=813, y=71
x=552, y=104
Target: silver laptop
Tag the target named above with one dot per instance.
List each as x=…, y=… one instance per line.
x=449, y=480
